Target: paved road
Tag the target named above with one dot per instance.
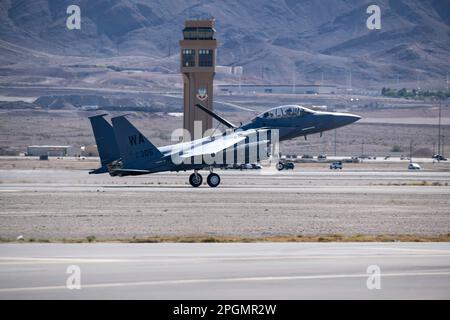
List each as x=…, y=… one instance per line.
x=226, y=271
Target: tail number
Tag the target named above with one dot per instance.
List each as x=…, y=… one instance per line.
x=146, y=153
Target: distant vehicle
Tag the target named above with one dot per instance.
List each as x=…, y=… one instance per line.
x=307, y=156
x=414, y=166
x=336, y=165
x=386, y=158
x=285, y=166
x=244, y=166
x=352, y=160
x=322, y=157
x=439, y=157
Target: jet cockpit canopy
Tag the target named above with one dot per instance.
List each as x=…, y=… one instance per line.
x=286, y=111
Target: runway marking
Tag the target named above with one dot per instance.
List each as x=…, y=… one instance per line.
x=24, y=261
x=225, y=280
x=443, y=251
x=156, y=259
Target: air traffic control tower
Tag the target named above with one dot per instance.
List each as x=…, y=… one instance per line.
x=198, y=64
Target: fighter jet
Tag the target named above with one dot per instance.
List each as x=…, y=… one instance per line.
x=124, y=150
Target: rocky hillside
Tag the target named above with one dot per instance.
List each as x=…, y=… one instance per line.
x=273, y=40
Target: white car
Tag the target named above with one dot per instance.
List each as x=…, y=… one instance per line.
x=336, y=165
x=413, y=166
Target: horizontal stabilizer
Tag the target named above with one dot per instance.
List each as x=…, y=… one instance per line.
x=99, y=170
x=128, y=172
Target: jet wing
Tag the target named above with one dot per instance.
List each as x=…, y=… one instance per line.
x=219, y=143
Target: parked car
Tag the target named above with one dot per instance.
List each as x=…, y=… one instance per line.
x=336, y=165
x=414, y=166
x=322, y=157
x=439, y=157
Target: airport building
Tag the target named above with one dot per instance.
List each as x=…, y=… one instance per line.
x=276, y=89
x=89, y=150
x=198, y=62
x=53, y=151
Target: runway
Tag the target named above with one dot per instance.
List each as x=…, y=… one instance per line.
x=227, y=271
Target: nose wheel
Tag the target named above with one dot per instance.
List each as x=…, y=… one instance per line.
x=213, y=180
x=195, y=179
x=280, y=166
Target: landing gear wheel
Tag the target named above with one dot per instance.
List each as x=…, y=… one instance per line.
x=196, y=180
x=280, y=166
x=213, y=180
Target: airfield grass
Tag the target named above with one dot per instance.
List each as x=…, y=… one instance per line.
x=226, y=239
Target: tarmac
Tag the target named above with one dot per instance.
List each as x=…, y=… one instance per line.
x=225, y=271
x=56, y=204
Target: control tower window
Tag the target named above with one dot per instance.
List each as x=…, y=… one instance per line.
x=188, y=58
x=198, y=33
x=205, y=58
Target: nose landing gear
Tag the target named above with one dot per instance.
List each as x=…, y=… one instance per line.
x=280, y=166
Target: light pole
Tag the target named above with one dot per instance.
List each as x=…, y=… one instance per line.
x=439, y=128
x=410, y=150
x=335, y=136
x=362, y=149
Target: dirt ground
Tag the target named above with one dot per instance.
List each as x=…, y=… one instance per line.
x=57, y=199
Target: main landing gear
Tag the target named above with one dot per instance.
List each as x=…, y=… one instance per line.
x=213, y=180
x=196, y=179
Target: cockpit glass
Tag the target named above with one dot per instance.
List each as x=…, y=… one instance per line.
x=285, y=112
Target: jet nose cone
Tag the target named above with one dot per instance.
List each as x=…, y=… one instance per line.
x=350, y=118
x=344, y=119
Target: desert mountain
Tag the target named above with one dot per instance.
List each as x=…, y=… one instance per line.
x=273, y=40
